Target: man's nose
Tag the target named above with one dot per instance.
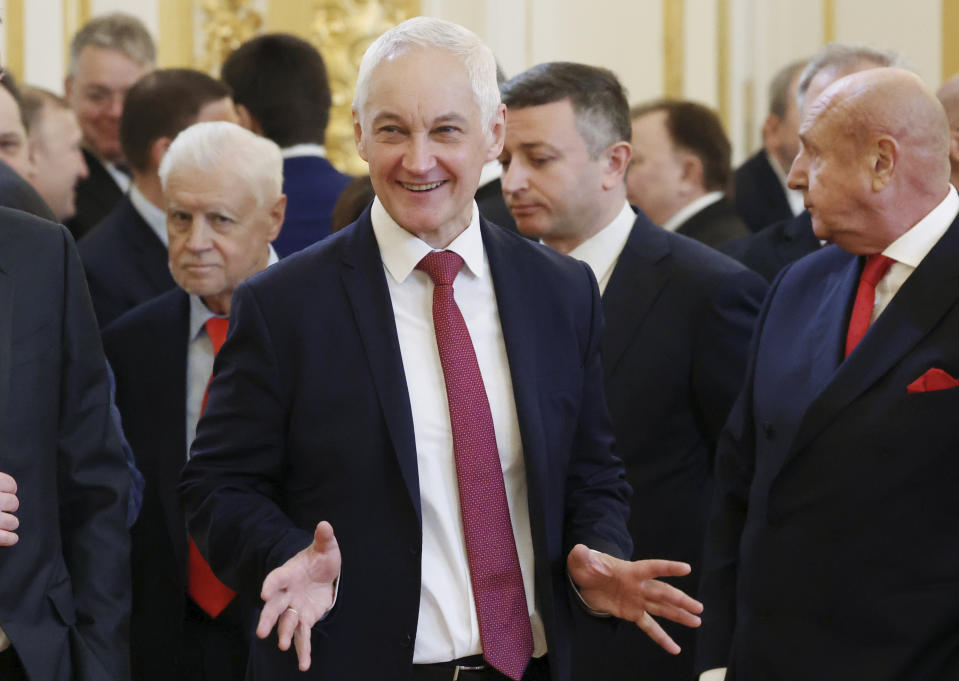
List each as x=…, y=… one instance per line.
x=514, y=177
x=419, y=158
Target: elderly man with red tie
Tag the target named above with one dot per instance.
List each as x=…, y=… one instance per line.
x=222, y=189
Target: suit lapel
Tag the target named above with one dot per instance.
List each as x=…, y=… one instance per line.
x=929, y=293
x=369, y=297
x=640, y=274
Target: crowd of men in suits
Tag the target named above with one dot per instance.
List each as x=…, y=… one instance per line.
x=264, y=421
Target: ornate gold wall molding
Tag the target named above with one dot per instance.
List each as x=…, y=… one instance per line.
x=175, y=43
x=227, y=24
x=13, y=38
x=722, y=60
x=76, y=13
x=828, y=21
x=950, y=46
x=673, y=48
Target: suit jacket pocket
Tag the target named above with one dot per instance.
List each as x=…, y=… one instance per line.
x=61, y=596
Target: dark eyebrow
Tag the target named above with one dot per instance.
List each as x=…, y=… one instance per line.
x=533, y=146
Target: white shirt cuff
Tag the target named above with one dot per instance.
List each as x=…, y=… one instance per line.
x=718, y=674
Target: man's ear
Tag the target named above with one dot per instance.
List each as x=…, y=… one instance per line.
x=358, y=136
x=497, y=134
x=277, y=214
x=770, y=132
x=692, y=170
x=158, y=150
x=247, y=120
x=954, y=146
x=68, y=88
x=616, y=158
x=883, y=162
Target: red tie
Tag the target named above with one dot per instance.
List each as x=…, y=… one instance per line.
x=876, y=267
x=204, y=588
x=498, y=592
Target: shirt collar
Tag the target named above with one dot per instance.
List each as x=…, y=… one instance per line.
x=153, y=216
x=916, y=242
x=601, y=250
x=200, y=313
x=690, y=209
x=402, y=251
x=304, y=150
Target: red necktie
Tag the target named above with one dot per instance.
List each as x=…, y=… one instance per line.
x=498, y=591
x=204, y=588
x=876, y=267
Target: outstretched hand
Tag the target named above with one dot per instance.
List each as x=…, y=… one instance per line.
x=631, y=591
x=8, y=506
x=300, y=592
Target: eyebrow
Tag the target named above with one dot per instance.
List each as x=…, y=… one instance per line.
x=388, y=116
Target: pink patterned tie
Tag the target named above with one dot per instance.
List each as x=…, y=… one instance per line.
x=490, y=549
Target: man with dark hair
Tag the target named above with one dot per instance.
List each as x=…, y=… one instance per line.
x=771, y=249
x=282, y=91
x=680, y=171
x=54, y=136
x=762, y=196
x=678, y=315
x=107, y=56
x=125, y=256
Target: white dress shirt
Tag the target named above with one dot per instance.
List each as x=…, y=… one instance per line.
x=121, y=178
x=199, y=360
x=601, y=251
x=303, y=150
x=447, y=628
x=152, y=215
x=908, y=251
x=690, y=209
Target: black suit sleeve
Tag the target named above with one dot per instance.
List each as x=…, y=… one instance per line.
x=93, y=485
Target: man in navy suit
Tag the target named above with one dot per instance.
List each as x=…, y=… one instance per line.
x=328, y=412
x=125, y=256
x=282, y=92
x=220, y=227
x=679, y=317
x=831, y=551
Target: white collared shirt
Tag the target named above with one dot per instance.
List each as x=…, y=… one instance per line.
x=121, y=178
x=912, y=246
x=797, y=204
x=154, y=216
x=601, y=251
x=199, y=360
x=447, y=628
x=690, y=209
x=306, y=149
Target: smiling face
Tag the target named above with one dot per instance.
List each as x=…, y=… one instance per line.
x=421, y=133
x=552, y=186
x=95, y=91
x=55, y=148
x=219, y=235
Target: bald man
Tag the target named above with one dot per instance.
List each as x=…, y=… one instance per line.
x=831, y=551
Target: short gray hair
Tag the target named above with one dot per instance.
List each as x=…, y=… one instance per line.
x=435, y=33
x=117, y=31
x=205, y=146
x=843, y=57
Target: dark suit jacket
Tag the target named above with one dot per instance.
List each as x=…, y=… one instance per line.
x=832, y=551
x=311, y=185
x=492, y=206
x=125, y=261
x=715, y=224
x=148, y=349
x=769, y=251
x=760, y=197
x=679, y=317
x=65, y=586
x=16, y=192
x=97, y=195
x=309, y=419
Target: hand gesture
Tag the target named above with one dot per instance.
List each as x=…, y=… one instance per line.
x=300, y=592
x=8, y=506
x=630, y=590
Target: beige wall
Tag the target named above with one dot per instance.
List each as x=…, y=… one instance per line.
x=627, y=36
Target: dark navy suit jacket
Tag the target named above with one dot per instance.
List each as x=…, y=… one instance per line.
x=309, y=419
x=125, y=261
x=715, y=224
x=832, y=551
x=769, y=251
x=679, y=318
x=97, y=195
x=311, y=185
x=65, y=586
x=760, y=197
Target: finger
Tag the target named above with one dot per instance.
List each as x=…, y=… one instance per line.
x=9, y=522
x=285, y=627
x=674, y=614
x=7, y=483
x=652, y=569
x=323, y=538
x=8, y=538
x=9, y=502
x=272, y=610
x=656, y=633
x=303, y=644
x=666, y=594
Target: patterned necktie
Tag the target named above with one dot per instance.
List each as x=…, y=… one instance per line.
x=875, y=269
x=498, y=591
x=204, y=588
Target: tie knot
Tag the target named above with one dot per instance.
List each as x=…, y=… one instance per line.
x=216, y=329
x=876, y=267
x=442, y=266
